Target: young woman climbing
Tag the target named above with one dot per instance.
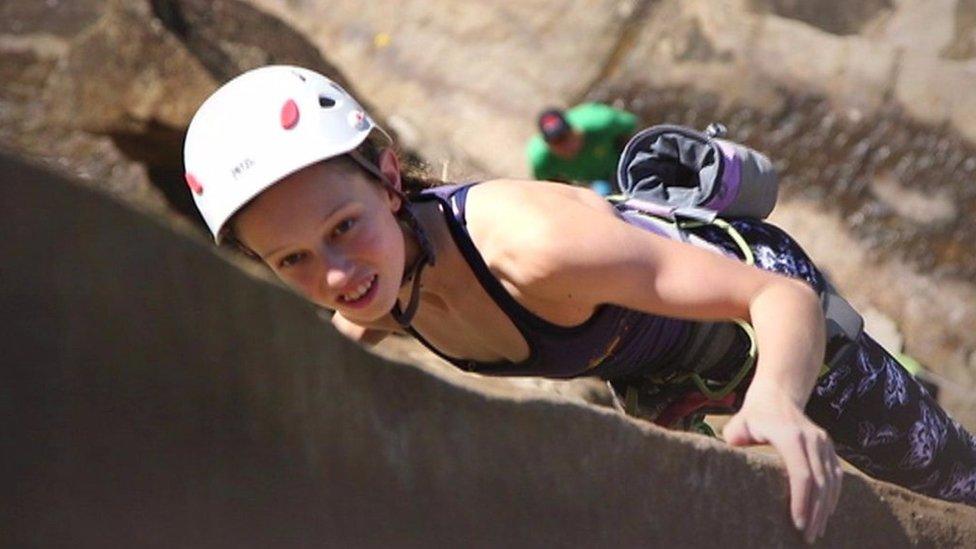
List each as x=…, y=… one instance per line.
x=509, y=277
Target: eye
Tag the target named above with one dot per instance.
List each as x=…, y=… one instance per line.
x=344, y=226
x=291, y=260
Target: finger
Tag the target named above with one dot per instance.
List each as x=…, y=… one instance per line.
x=839, y=471
x=820, y=494
x=793, y=451
x=736, y=433
x=833, y=476
x=837, y=474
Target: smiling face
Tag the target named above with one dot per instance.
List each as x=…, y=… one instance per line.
x=329, y=231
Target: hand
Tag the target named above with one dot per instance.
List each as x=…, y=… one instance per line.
x=815, y=473
x=360, y=334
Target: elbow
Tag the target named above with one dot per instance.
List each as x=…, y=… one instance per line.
x=806, y=297
x=808, y=306
x=805, y=292
x=791, y=296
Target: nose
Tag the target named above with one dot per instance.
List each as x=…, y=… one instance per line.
x=337, y=269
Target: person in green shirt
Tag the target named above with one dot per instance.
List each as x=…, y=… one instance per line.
x=581, y=144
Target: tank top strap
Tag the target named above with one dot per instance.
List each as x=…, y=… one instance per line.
x=528, y=322
x=611, y=340
x=455, y=195
x=453, y=198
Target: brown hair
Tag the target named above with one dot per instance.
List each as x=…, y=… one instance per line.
x=414, y=171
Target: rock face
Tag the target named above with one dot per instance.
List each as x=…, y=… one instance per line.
x=833, y=16
x=107, y=87
x=866, y=106
x=468, y=78
x=963, y=45
x=35, y=40
x=140, y=413
x=447, y=69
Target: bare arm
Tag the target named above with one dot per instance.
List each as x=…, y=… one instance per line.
x=789, y=326
x=559, y=249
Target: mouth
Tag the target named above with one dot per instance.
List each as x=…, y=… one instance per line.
x=361, y=295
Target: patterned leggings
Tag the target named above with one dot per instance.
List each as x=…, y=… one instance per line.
x=880, y=418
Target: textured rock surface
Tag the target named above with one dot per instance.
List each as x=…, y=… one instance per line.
x=869, y=118
x=833, y=16
x=837, y=95
x=136, y=414
x=866, y=106
x=446, y=68
x=107, y=87
x=467, y=80
x=35, y=40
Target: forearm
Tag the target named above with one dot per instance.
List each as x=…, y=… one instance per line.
x=789, y=328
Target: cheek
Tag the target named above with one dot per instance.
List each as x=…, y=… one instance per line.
x=300, y=279
x=378, y=241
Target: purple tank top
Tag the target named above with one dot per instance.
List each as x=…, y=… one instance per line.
x=613, y=342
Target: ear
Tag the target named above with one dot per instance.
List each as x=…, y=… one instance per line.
x=389, y=166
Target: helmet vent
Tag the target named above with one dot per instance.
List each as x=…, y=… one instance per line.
x=326, y=102
x=194, y=185
x=289, y=114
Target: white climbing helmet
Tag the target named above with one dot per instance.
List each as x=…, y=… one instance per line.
x=262, y=126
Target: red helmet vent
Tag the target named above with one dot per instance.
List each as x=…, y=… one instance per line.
x=289, y=114
x=194, y=185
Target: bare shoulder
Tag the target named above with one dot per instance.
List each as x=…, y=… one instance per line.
x=526, y=229
x=511, y=212
x=513, y=193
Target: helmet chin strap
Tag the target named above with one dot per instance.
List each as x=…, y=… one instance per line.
x=426, y=256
